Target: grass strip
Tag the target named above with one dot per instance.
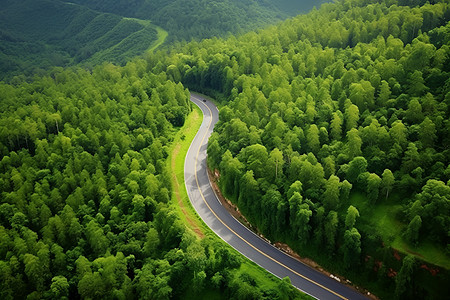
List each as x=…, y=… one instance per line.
x=187, y=213
x=177, y=154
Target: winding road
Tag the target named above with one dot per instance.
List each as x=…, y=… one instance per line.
x=237, y=235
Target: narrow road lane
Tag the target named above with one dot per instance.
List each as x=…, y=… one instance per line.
x=237, y=235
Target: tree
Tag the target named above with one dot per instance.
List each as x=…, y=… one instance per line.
x=414, y=113
x=336, y=126
x=350, y=219
x=249, y=194
x=387, y=182
x=398, y=133
x=373, y=187
x=330, y=228
x=404, y=277
x=92, y=286
x=151, y=242
x=412, y=232
x=60, y=287
x=196, y=257
x=276, y=161
x=351, y=116
x=354, y=143
x=231, y=170
x=433, y=209
x=362, y=94
x=427, y=133
x=34, y=271
x=301, y=225
x=412, y=159
x=217, y=280
x=351, y=247
x=357, y=166
x=331, y=194
x=384, y=94
x=255, y=158
x=312, y=138
x=329, y=166
x=214, y=151
x=96, y=238
x=345, y=189
x=417, y=85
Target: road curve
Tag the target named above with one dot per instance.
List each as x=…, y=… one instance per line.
x=238, y=236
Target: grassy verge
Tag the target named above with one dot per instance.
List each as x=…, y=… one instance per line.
x=178, y=151
x=186, y=212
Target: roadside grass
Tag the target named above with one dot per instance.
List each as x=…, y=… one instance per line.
x=254, y=271
x=384, y=218
x=175, y=161
x=187, y=213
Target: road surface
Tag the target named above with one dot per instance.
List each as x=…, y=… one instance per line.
x=237, y=235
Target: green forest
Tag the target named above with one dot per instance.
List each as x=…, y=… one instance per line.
x=197, y=19
x=36, y=35
x=333, y=138
x=86, y=195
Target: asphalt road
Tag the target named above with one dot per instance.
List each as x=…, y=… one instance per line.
x=238, y=236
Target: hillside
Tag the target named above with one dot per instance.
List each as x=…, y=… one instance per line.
x=295, y=7
x=36, y=35
x=44, y=33
x=196, y=19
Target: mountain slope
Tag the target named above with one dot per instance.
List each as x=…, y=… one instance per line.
x=196, y=19
x=42, y=33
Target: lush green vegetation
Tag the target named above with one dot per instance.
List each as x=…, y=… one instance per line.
x=38, y=34
x=196, y=19
x=348, y=100
x=43, y=33
x=333, y=138
x=295, y=7
x=262, y=284
x=86, y=189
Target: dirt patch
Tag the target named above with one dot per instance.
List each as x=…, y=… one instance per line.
x=192, y=223
x=234, y=211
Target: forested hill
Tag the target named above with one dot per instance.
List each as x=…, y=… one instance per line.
x=295, y=7
x=39, y=34
x=196, y=19
x=334, y=137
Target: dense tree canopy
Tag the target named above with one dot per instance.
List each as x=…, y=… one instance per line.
x=354, y=97
x=85, y=191
x=348, y=102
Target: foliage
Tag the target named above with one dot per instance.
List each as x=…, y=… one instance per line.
x=84, y=186
x=196, y=19
x=355, y=97
x=44, y=33
x=85, y=191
